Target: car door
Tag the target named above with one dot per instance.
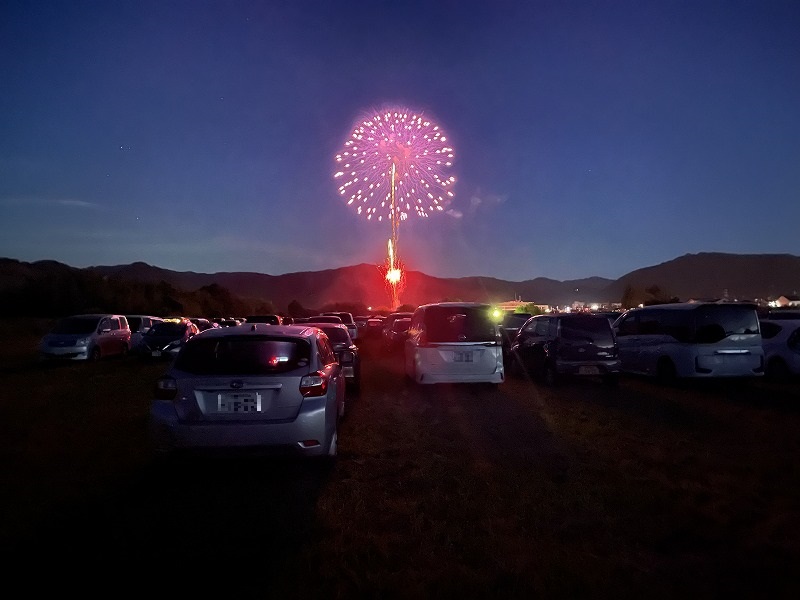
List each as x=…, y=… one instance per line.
x=531, y=343
x=628, y=342
x=104, y=336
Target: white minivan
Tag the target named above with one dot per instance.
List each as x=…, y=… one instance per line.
x=454, y=342
x=691, y=340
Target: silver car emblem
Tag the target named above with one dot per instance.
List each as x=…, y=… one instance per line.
x=237, y=384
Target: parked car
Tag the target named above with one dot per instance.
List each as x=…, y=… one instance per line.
x=325, y=319
x=454, y=342
x=139, y=325
x=203, y=323
x=781, y=342
x=390, y=318
x=509, y=327
x=346, y=351
x=165, y=339
x=396, y=336
x=271, y=319
x=259, y=387
x=373, y=328
x=347, y=319
x=88, y=337
x=229, y=322
x=551, y=347
x=691, y=340
x=611, y=315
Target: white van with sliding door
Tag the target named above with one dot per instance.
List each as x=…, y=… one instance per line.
x=691, y=340
x=454, y=342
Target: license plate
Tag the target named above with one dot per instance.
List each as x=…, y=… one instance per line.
x=240, y=402
x=588, y=371
x=462, y=357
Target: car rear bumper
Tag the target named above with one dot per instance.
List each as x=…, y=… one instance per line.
x=66, y=353
x=588, y=367
x=317, y=423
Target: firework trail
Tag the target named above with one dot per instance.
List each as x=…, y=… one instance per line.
x=392, y=165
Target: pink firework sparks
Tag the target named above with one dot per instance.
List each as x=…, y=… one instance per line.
x=401, y=149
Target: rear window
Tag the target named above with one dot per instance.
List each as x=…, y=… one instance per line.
x=167, y=328
x=587, y=329
x=459, y=324
x=401, y=325
x=346, y=318
x=336, y=335
x=271, y=319
x=732, y=319
x=243, y=355
x=72, y=325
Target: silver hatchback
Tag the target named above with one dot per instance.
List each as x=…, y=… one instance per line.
x=258, y=387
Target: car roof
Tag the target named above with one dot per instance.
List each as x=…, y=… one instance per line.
x=313, y=323
x=457, y=304
x=297, y=331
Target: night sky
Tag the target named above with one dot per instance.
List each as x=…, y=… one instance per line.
x=590, y=138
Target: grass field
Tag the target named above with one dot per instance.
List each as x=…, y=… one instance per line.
x=448, y=492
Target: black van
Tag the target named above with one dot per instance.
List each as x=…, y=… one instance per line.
x=550, y=347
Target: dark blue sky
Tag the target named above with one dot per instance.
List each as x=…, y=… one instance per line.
x=591, y=138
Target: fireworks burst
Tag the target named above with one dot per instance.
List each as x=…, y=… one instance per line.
x=394, y=165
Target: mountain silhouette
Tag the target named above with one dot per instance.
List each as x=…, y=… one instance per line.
x=692, y=276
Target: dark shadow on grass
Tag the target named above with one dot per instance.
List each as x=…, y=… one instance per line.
x=189, y=522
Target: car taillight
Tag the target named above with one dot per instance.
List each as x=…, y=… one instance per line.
x=314, y=384
x=166, y=388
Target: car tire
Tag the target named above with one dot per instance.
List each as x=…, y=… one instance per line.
x=333, y=448
x=549, y=375
x=666, y=373
x=515, y=366
x=94, y=355
x=611, y=379
x=777, y=370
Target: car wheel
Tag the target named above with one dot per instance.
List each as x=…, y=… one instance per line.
x=333, y=449
x=611, y=379
x=665, y=372
x=777, y=370
x=512, y=365
x=125, y=351
x=94, y=355
x=550, y=376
